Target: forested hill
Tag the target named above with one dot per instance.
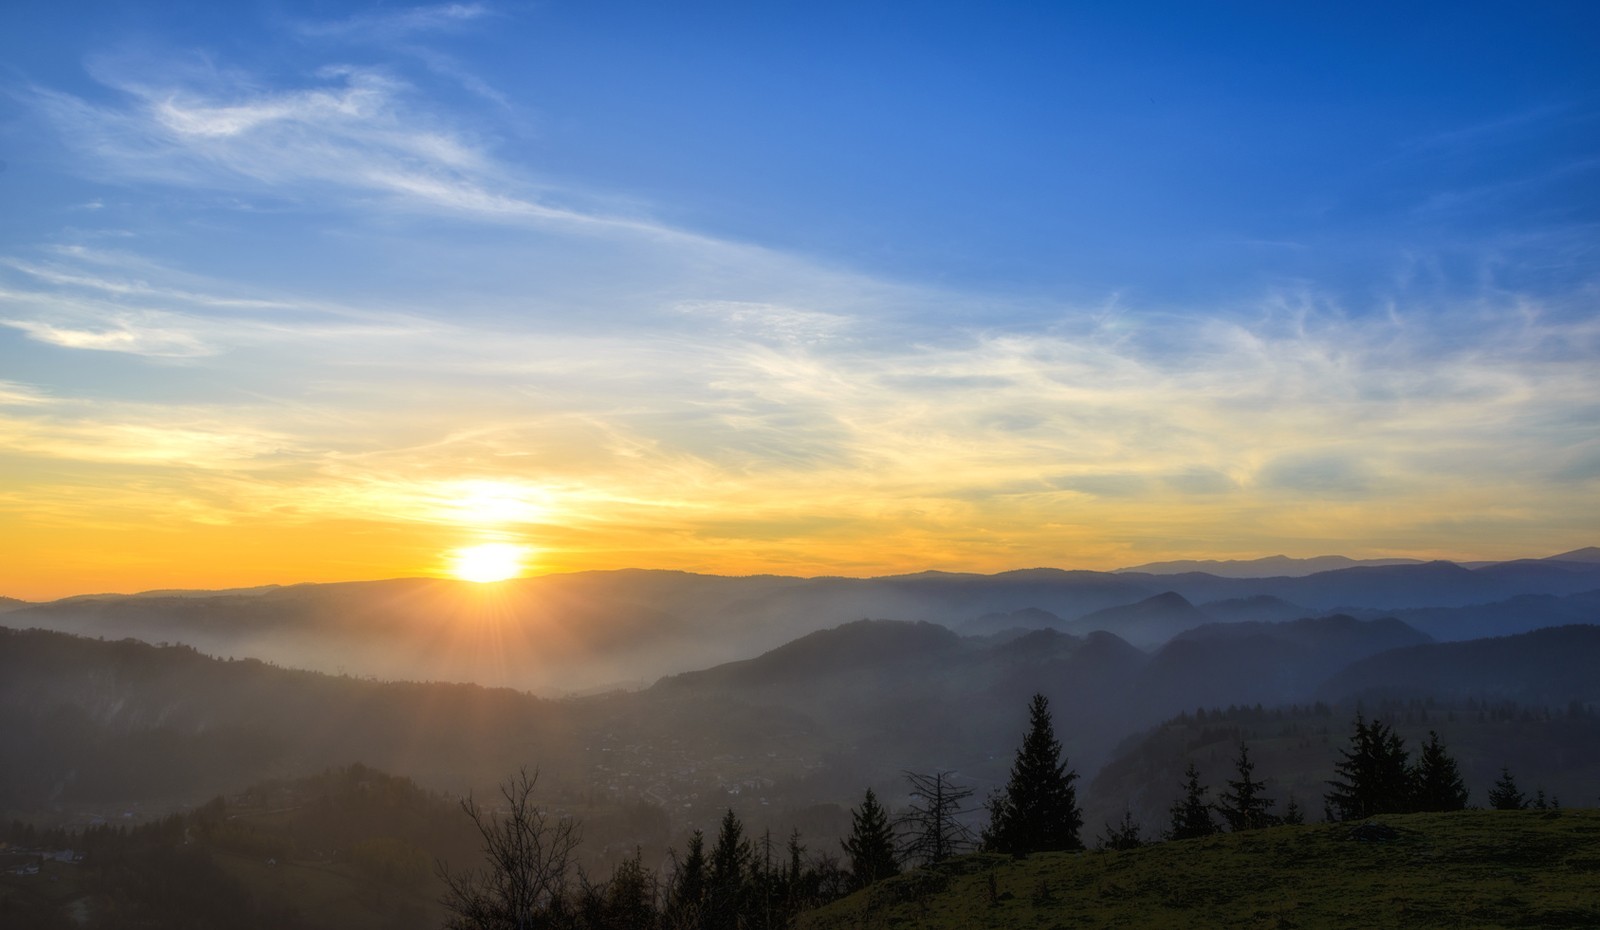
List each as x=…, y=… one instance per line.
x=1549, y=666
x=90, y=720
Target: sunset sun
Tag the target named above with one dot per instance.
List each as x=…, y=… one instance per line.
x=487, y=562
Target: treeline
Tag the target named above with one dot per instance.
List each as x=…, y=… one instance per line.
x=744, y=883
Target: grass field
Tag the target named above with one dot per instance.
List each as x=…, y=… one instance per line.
x=1472, y=869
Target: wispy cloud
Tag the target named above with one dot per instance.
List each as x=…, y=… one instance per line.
x=394, y=24
x=130, y=335
x=352, y=130
x=13, y=394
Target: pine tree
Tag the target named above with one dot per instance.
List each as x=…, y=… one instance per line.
x=1038, y=810
x=1191, y=816
x=687, y=899
x=1373, y=777
x=1293, y=815
x=727, y=877
x=1436, y=783
x=870, y=845
x=1125, y=835
x=1242, y=805
x=630, y=901
x=1505, y=796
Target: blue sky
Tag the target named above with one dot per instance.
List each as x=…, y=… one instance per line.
x=832, y=287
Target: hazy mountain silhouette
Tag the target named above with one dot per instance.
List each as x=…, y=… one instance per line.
x=1519, y=614
x=1588, y=554
x=1260, y=607
x=1391, y=587
x=1028, y=618
x=579, y=632
x=1552, y=666
x=1149, y=622
x=1272, y=566
x=1260, y=663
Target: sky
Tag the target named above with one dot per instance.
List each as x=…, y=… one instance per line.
x=326, y=291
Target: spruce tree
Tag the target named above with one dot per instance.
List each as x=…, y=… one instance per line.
x=630, y=896
x=727, y=878
x=1505, y=796
x=687, y=898
x=1038, y=810
x=1373, y=777
x=1436, y=783
x=870, y=845
x=1191, y=816
x=1125, y=835
x=1242, y=805
x=1292, y=814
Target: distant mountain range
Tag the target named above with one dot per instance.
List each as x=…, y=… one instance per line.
x=1282, y=566
x=595, y=630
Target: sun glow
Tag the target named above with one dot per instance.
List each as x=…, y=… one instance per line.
x=488, y=562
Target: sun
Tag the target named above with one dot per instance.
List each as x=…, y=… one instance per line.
x=487, y=562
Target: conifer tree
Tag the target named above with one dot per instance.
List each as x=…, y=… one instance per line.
x=870, y=845
x=1038, y=810
x=1436, y=783
x=630, y=899
x=726, y=879
x=1293, y=814
x=686, y=901
x=1242, y=806
x=1125, y=835
x=1191, y=816
x=1373, y=777
x=1505, y=796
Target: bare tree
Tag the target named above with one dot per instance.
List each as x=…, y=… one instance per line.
x=524, y=883
x=930, y=829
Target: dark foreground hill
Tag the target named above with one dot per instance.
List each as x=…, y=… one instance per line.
x=1480, y=869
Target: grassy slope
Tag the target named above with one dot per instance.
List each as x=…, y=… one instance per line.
x=1470, y=869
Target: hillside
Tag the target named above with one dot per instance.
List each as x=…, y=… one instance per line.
x=1481, y=869
x=1549, y=666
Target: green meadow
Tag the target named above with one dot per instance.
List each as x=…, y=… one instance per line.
x=1477, y=869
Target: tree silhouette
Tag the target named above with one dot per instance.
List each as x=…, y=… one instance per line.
x=1242, y=805
x=725, y=883
x=1436, y=783
x=529, y=863
x=1125, y=835
x=1505, y=796
x=630, y=896
x=1191, y=816
x=1038, y=809
x=1373, y=777
x=1292, y=814
x=870, y=845
x=930, y=828
x=687, y=897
